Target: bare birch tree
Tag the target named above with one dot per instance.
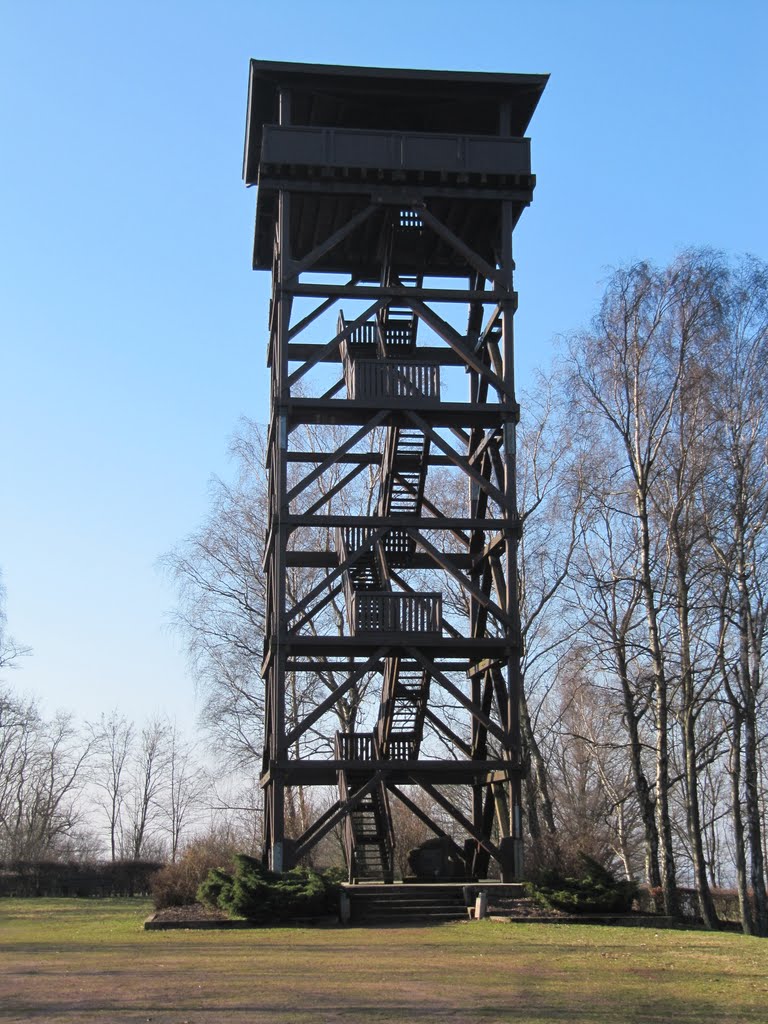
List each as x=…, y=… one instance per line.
x=626, y=376
x=737, y=514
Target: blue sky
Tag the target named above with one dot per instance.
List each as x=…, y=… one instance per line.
x=132, y=329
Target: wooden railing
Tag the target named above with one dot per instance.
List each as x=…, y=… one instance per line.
x=399, y=547
x=400, y=748
x=381, y=378
x=354, y=746
x=365, y=334
x=363, y=746
x=351, y=538
x=347, y=831
x=299, y=145
x=383, y=612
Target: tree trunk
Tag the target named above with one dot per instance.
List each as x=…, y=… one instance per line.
x=661, y=717
x=754, y=831
x=642, y=789
x=693, y=818
x=692, y=807
x=537, y=776
x=734, y=771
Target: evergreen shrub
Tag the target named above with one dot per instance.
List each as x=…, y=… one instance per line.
x=263, y=896
x=594, y=891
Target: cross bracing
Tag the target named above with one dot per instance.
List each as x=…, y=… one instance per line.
x=391, y=494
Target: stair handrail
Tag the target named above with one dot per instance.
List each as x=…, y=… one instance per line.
x=348, y=834
x=387, y=703
x=389, y=832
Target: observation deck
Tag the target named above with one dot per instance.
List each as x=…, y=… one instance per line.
x=351, y=132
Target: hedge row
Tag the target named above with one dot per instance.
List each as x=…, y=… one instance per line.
x=726, y=903
x=75, y=878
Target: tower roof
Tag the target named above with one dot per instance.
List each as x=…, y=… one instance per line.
x=392, y=99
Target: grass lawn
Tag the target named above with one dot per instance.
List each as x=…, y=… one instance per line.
x=89, y=960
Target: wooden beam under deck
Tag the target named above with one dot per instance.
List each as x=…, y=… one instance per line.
x=315, y=772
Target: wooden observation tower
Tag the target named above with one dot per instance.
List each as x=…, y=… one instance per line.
x=386, y=205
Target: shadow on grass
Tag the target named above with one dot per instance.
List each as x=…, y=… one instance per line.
x=529, y=1011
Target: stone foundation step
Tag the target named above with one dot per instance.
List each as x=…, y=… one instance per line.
x=418, y=901
x=372, y=915
x=389, y=904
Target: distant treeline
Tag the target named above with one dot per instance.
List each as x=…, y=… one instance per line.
x=73, y=878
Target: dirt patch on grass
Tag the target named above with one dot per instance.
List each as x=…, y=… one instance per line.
x=189, y=914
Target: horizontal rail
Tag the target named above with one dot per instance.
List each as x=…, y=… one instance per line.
x=382, y=150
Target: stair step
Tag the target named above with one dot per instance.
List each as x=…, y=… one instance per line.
x=416, y=908
x=407, y=918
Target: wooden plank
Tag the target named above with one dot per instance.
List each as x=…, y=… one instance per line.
x=309, y=558
x=451, y=524
x=316, y=772
x=387, y=293
x=441, y=355
x=516, y=191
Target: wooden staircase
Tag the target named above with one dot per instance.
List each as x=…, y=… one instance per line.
x=380, y=364
x=368, y=836
x=406, y=904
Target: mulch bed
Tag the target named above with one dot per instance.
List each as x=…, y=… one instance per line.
x=198, y=916
x=192, y=912
x=524, y=909
x=195, y=915
x=527, y=909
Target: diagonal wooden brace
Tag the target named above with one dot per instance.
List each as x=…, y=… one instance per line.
x=473, y=258
x=330, y=242
x=341, y=812
x=456, y=693
x=456, y=814
x=335, y=573
x=333, y=697
x=463, y=463
x=332, y=345
x=460, y=578
x=452, y=337
x=315, y=609
x=424, y=817
x=333, y=457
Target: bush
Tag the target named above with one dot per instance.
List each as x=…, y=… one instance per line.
x=76, y=878
x=595, y=891
x=210, y=889
x=262, y=896
x=176, y=885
